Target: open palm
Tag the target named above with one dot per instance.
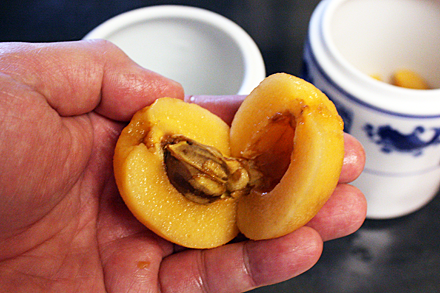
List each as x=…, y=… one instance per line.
x=63, y=226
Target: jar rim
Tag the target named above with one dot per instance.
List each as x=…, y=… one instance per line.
x=380, y=94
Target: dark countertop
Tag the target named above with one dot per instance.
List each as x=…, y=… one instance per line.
x=399, y=255
x=385, y=256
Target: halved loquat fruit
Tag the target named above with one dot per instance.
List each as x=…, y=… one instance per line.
x=189, y=178
x=142, y=177
x=294, y=135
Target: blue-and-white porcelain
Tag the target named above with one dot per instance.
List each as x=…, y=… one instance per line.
x=399, y=128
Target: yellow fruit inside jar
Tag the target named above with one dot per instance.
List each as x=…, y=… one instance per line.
x=265, y=177
x=409, y=79
x=406, y=78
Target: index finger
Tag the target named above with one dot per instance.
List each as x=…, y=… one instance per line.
x=222, y=106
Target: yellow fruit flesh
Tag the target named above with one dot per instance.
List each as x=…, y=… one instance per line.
x=285, y=127
x=314, y=164
x=144, y=184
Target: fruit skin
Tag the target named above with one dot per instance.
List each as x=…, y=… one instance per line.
x=315, y=161
x=144, y=185
x=409, y=79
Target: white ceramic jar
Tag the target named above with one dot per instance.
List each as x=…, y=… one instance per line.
x=400, y=128
x=204, y=51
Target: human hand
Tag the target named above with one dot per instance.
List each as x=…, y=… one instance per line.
x=64, y=227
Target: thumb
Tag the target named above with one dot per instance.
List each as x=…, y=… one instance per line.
x=79, y=77
x=127, y=87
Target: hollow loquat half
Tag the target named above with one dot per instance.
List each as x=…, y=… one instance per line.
x=295, y=134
